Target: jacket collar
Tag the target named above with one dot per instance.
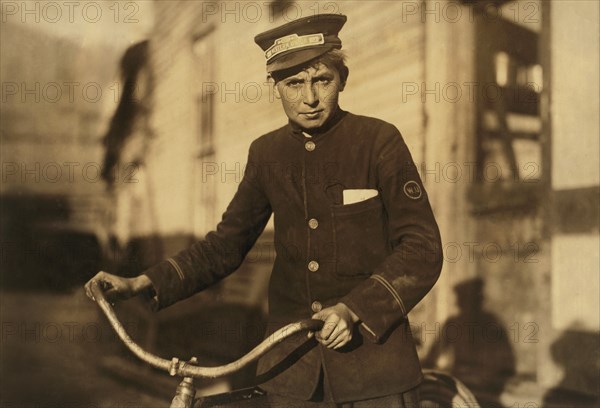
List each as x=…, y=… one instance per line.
x=317, y=134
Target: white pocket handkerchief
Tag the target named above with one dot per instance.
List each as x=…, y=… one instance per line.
x=356, y=196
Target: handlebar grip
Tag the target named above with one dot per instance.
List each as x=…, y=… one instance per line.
x=312, y=324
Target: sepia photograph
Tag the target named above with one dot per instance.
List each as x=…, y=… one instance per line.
x=300, y=204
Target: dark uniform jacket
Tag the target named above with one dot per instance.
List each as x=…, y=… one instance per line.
x=379, y=256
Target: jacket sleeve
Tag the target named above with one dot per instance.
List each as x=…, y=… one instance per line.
x=222, y=251
x=406, y=275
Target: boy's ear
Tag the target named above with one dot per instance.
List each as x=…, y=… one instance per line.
x=344, y=78
x=275, y=87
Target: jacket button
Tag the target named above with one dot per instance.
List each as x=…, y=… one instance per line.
x=316, y=306
x=310, y=145
x=313, y=266
x=313, y=223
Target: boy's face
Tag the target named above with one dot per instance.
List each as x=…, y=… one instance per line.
x=310, y=96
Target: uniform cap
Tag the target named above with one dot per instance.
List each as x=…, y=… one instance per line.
x=301, y=40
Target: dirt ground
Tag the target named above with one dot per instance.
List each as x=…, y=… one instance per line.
x=51, y=347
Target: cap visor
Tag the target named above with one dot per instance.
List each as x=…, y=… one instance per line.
x=297, y=57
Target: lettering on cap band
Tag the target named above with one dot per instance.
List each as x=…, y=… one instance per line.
x=292, y=42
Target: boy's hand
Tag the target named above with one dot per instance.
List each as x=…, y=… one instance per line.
x=116, y=287
x=337, y=327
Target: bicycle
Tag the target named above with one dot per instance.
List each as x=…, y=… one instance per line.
x=438, y=389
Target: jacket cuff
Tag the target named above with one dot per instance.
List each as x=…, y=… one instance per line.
x=378, y=306
x=168, y=283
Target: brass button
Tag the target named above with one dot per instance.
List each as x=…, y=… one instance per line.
x=313, y=266
x=310, y=145
x=313, y=223
x=316, y=306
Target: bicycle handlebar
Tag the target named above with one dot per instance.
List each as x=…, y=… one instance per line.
x=175, y=367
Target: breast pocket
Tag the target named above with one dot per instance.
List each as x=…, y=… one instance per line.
x=360, y=237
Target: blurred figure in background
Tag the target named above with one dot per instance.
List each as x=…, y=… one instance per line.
x=474, y=346
x=577, y=353
x=126, y=146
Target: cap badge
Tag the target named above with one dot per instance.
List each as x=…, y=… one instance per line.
x=293, y=41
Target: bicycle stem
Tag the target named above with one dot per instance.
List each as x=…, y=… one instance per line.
x=176, y=367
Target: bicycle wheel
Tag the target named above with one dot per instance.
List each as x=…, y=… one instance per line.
x=440, y=390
